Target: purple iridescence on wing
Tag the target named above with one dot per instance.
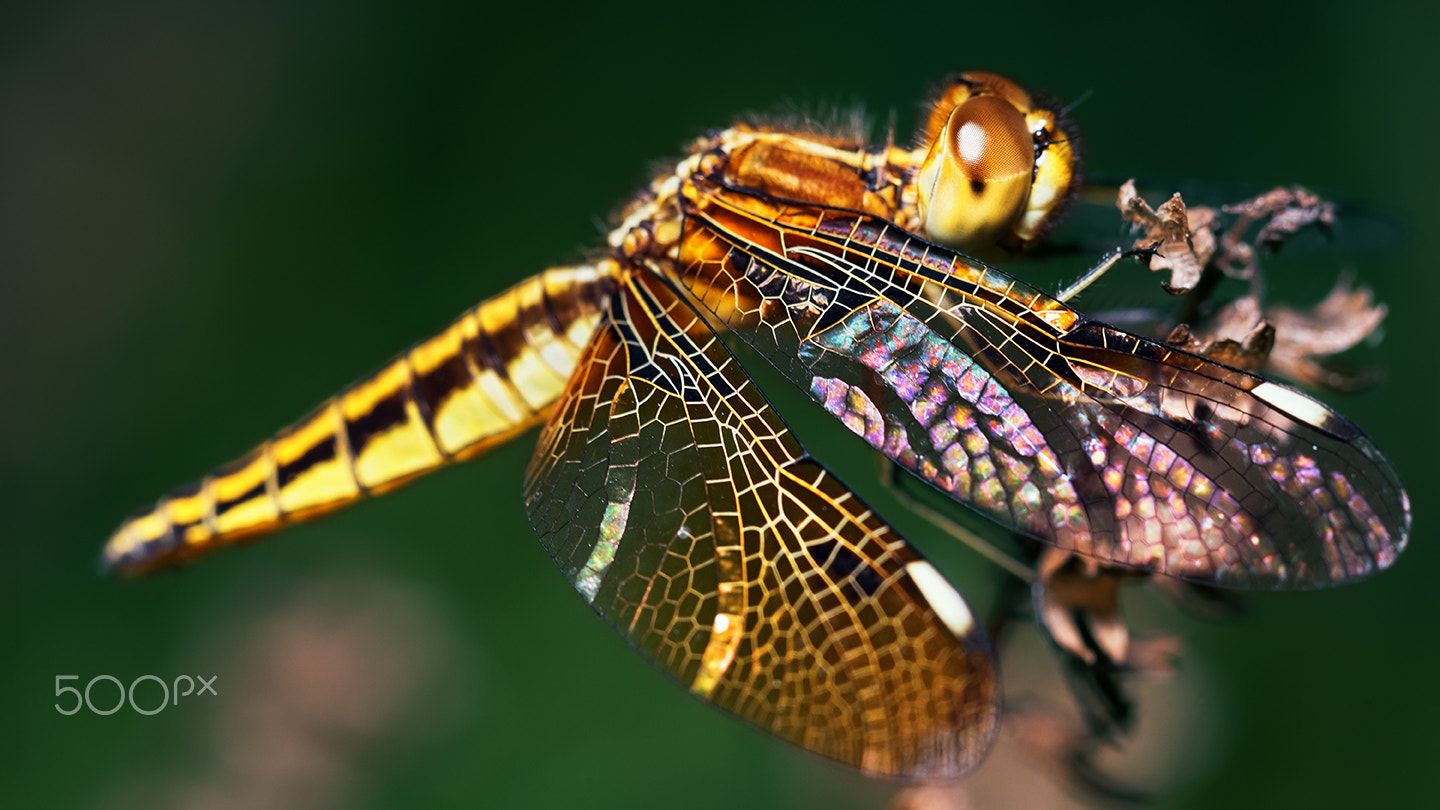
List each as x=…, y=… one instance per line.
x=1173, y=517
x=1193, y=501
x=852, y=407
x=982, y=446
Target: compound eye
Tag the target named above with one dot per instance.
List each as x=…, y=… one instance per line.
x=974, y=183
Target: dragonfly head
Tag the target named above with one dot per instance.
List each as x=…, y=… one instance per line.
x=999, y=169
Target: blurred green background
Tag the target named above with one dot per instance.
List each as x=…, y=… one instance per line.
x=214, y=215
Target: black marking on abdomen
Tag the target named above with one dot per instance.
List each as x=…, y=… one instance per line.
x=422, y=404
x=318, y=454
x=225, y=505
x=439, y=383
x=385, y=414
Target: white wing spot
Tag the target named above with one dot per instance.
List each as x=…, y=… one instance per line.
x=943, y=597
x=1294, y=403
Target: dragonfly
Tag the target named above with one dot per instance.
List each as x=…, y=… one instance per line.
x=689, y=517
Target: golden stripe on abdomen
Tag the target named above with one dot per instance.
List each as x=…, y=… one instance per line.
x=493, y=373
x=312, y=468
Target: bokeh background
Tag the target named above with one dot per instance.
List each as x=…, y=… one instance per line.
x=213, y=215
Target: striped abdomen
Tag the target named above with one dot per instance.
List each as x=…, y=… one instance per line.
x=495, y=372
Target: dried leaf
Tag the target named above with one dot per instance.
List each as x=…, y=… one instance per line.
x=1290, y=210
x=1155, y=656
x=1304, y=340
x=1066, y=749
x=1187, y=242
x=1078, y=606
x=1237, y=336
x=1183, y=240
x=1292, y=343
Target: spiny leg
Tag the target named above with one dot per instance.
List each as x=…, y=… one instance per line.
x=1106, y=262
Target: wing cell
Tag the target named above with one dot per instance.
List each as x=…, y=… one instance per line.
x=1071, y=431
x=696, y=525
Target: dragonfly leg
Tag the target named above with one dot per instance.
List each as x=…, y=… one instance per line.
x=1108, y=261
x=987, y=549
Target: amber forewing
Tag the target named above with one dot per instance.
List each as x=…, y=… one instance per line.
x=682, y=509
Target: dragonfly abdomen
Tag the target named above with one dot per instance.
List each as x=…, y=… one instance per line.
x=493, y=373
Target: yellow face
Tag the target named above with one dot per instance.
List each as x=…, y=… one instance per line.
x=999, y=169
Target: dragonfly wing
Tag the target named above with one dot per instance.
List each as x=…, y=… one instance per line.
x=1076, y=433
x=696, y=525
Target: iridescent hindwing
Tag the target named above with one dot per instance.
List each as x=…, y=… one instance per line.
x=1076, y=433
x=696, y=525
